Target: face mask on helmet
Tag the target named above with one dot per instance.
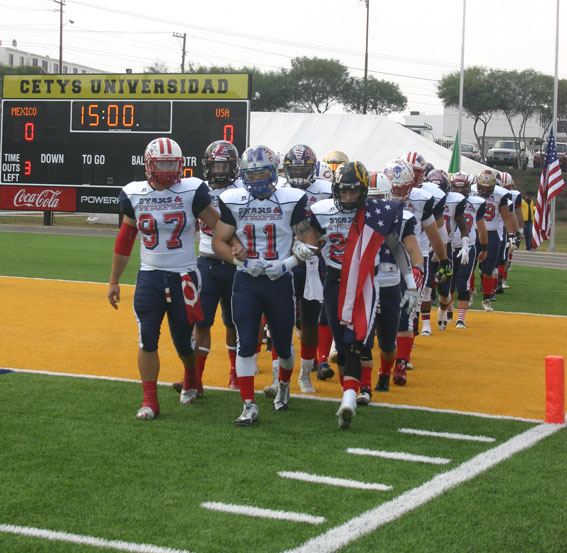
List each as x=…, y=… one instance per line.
x=221, y=163
x=461, y=182
x=350, y=188
x=380, y=186
x=440, y=178
x=164, y=162
x=485, y=182
x=417, y=162
x=335, y=159
x=300, y=164
x=259, y=170
x=401, y=175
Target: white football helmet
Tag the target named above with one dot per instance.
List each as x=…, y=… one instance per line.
x=259, y=170
x=401, y=175
x=380, y=186
x=418, y=164
x=507, y=181
x=323, y=172
x=164, y=162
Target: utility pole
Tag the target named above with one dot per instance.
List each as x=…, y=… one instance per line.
x=184, y=37
x=365, y=95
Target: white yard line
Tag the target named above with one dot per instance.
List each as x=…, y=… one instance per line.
x=448, y=435
x=246, y=510
x=331, y=481
x=398, y=456
x=90, y=541
x=367, y=522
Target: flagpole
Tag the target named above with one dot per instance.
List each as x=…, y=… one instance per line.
x=461, y=90
x=554, y=126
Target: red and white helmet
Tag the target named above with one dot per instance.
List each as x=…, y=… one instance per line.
x=418, y=164
x=164, y=162
x=401, y=175
x=507, y=180
x=323, y=172
x=380, y=186
x=461, y=182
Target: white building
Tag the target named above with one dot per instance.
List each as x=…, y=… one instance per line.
x=12, y=57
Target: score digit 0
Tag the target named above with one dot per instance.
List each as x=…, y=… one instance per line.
x=29, y=130
x=228, y=133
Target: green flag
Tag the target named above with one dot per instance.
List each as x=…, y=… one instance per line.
x=455, y=163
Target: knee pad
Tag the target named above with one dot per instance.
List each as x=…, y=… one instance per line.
x=353, y=363
x=366, y=355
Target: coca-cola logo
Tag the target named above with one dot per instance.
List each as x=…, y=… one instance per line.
x=46, y=199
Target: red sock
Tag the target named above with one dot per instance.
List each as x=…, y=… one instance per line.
x=274, y=353
x=308, y=352
x=405, y=344
x=201, y=360
x=246, y=385
x=494, y=284
x=505, y=275
x=341, y=379
x=471, y=282
x=386, y=366
x=325, y=342
x=232, y=356
x=150, y=395
x=190, y=379
x=351, y=384
x=426, y=316
x=486, y=287
x=285, y=375
x=366, y=379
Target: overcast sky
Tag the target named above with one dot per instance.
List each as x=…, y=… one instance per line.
x=413, y=43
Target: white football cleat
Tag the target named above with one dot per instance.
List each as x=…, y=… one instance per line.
x=304, y=381
x=145, y=413
x=249, y=414
x=188, y=396
x=281, y=402
x=486, y=305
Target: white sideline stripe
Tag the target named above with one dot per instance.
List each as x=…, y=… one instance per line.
x=398, y=456
x=448, y=435
x=87, y=540
x=367, y=522
x=261, y=513
x=330, y=481
x=298, y=396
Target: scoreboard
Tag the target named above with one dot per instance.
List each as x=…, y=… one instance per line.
x=70, y=142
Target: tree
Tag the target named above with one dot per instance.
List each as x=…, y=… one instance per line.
x=19, y=70
x=157, y=67
x=317, y=83
x=382, y=97
x=479, y=98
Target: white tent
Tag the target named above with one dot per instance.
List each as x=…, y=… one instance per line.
x=372, y=139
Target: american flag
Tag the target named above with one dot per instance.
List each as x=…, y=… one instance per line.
x=551, y=184
x=357, y=296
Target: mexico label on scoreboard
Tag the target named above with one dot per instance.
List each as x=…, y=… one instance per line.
x=89, y=132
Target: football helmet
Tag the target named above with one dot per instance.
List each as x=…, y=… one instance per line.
x=485, y=182
x=380, y=186
x=300, y=165
x=427, y=168
x=259, y=170
x=350, y=176
x=221, y=163
x=335, y=158
x=163, y=161
x=323, y=172
x=440, y=178
x=401, y=175
x=507, y=181
x=461, y=182
x=417, y=162
x=281, y=156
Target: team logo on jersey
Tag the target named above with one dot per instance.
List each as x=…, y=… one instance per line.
x=178, y=200
x=276, y=210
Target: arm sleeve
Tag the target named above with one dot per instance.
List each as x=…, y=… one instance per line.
x=126, y=205
x=226, y=215
x=399, y=252
x=481, y=211
x=409, y=227
x=461, y=206
x=300, y=211
x=201, y=200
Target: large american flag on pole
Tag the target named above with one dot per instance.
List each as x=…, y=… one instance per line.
x=357, y=296
x=551, y=184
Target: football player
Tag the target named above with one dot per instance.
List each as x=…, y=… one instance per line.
x=164, y=209
x=265, y=221
x=334, y=159
x=334, y=218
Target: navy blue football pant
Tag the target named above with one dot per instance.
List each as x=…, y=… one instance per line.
x=150, y=307
x=489, y=264
x=217, y=277
x=254, y=296
x=309, y=310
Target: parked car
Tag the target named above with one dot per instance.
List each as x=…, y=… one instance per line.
x=471, y=151
x=504, y=153
x=561, y=155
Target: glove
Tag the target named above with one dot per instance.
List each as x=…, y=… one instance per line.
x=254, y=267
x=278, y=268
x=445, y=271
x=463, y=255
x=518, y=240
x=303, y=251
x=410, y=300
x=418, y=276
x=511, y=243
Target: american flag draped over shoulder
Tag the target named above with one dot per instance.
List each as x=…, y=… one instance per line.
x=551, y=184
x=357, y=297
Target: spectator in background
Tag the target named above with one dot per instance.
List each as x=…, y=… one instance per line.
x=528, y=210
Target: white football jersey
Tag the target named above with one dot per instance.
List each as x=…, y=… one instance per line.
x=206, y=232
x=474, y=211
x=335, y=225
x=166, y=222
x=494, y=202
x=421, y=204
x=264, y=227
x=455, y=204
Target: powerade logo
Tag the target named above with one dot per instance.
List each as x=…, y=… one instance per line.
x=98, y=200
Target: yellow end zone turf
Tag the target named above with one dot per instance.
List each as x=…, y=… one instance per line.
x=495, y=366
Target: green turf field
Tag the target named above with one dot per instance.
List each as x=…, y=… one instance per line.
x=81, y=474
